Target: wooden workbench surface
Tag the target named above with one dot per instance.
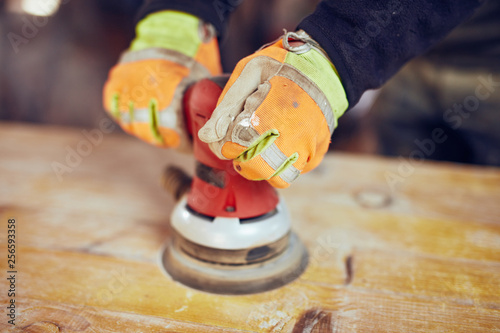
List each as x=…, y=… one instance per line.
x=421, y=255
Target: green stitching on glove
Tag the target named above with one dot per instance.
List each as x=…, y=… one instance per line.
x=131, y=111
x=288, y=162
x=261, y=143
x=115, y=108
x=153, y=120
x=169, y=30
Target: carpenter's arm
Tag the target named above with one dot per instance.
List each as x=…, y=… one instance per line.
x=368, y=41
x=215, y=12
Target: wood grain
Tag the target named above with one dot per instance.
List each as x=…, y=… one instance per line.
x=422, y=256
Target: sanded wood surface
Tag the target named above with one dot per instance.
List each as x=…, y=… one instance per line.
x=420, y=255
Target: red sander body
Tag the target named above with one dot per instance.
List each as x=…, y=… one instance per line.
x=231, y=235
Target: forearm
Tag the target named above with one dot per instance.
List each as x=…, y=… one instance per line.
x=215, y=12
x=368, y=41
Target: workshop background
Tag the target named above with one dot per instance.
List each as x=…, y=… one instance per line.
x=56, y=72
x=55, y=56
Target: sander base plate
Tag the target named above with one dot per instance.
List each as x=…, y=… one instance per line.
x=230, y=279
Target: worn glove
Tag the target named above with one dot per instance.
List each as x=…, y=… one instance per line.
x=144, y=91
x=275, y=116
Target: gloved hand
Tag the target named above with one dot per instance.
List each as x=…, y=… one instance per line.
x=275, y=116
x=144, y=91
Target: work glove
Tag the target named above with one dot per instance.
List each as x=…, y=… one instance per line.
x=277, y=112
x=144, y=90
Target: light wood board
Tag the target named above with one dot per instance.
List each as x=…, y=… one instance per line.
x=421, y=256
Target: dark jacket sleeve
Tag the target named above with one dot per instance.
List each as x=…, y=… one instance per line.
x=215, y=12
x=368, y=41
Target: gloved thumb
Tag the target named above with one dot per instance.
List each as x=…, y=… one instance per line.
x=246, y=77
x=215, y=129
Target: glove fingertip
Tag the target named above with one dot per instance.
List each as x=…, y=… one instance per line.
x=232, y=150
x=213, y=130
x=277, y=182
x=206, y=135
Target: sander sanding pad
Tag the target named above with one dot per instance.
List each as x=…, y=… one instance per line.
x=234, y=279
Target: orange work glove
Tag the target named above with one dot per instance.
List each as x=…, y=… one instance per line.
x=275, y=116
x=144, y=91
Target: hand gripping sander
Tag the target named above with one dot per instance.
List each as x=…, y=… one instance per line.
x=231, y=235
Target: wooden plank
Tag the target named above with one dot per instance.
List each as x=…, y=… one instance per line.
x=121, y=285
x=422, y=256
x=372, y=311
x=336, y=229
x=44, y=316
x=430, y=189
x=460, y=281
x=96, y=283
x=100, y=206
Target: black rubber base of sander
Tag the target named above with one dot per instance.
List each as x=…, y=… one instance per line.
x=234, y=279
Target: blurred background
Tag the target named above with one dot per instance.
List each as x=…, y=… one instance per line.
x=63, y=51
x=55, y=56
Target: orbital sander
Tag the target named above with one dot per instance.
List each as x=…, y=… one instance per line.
x=230, y=235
